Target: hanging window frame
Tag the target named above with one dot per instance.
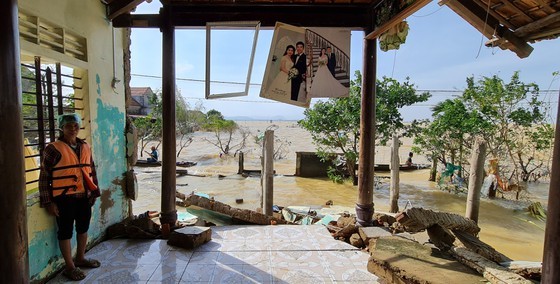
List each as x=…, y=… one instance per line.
x=228, y=25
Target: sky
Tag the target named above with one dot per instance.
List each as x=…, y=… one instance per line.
x=440, y=52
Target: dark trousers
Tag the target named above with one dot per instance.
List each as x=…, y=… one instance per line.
x=296, y=83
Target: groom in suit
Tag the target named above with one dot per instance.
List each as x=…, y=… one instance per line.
x=300, y=63
x=332, y=60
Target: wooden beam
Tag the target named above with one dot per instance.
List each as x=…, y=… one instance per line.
x=169, y=166
x=490, y=26
x=356, y=16
x=137, y=21
x=475, y=15
x=13, y=209
x=551, y=33
x=495, y=14
x=119, y=7
x=516, y=9
x=364, y=204
x=399, y=17
x=305, y=15
x=545, y=6
x=530, y=28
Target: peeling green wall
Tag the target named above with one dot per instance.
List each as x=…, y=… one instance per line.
x=105, y=108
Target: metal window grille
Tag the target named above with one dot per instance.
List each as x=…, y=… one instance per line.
x=46, y=94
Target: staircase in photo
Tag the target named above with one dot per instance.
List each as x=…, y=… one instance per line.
x=314, y=43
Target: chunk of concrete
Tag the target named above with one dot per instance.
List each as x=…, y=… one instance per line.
x=356, y=240
x=398, y=260
x=367, y=233
x=190, y=237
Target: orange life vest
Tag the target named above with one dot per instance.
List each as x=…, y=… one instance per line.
x=71, y=173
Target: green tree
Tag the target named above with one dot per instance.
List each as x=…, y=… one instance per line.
x=448, y=138
x=224, y=131
x=518, y=122
x=334, y=124
x=508, y=115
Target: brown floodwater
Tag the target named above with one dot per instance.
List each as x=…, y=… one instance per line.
x=505, y=224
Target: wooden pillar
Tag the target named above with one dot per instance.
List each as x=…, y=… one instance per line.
x=241, y=163
x=395, y=163
x=13, y=217
x=268, y=172
x=551, y=256
x=476, y=178
x=169, y=166
x=364, y=205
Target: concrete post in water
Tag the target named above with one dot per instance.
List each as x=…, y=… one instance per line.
x=433, y=169
x=268, y=171
x=551, y=256
x=395, y=163
x=13, y=211
x=169, y=160
x=476, y=178
x=241, y=162
x=364, y=205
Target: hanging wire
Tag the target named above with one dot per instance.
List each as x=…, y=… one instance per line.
x=483, y=29
x=394, y=63
x=429, y=14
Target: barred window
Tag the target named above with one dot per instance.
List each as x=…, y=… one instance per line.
x=48, y=90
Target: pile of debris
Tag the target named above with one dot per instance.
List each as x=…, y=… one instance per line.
x=418, y=246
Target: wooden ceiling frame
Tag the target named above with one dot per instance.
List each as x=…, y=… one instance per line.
x=358, y=16
x=508, y=24
x=490, y=27
x=116, y=8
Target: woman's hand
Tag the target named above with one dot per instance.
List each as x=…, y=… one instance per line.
x=53, y=209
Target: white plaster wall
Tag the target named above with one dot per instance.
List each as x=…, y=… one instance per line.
x=105, y=109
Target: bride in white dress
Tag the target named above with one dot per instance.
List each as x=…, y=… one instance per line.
x=324, y=85
x=281, y=86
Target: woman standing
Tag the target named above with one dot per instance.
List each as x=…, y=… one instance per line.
x=324, y=85
x=281, y=85
x=68, y=188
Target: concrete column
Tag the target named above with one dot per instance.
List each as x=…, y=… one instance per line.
x=364, y=205
x=169, y=166
x=395, y=164
x=476, y=178
x=551, y=256
x=13, y=217
x=241, y=163
x=268, y=172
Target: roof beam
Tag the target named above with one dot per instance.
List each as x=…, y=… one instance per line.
x=305, y=15
x=546, y=34
x=519, y=11
x=399, y=17
x=119, y=7
x=494, y=14
x=530, y=28
x=490, y=27
x=545, y=6
x=197, y=15
x=137, y=21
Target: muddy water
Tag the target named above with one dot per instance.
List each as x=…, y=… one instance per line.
x=505, y=225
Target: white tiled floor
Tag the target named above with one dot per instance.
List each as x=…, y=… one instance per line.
x=236, y=254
